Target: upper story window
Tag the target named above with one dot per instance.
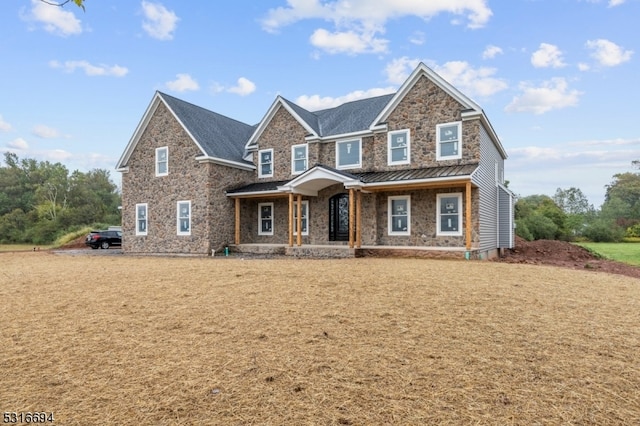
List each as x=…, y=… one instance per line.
x=265, y=219
x=162, y=161
x=349, y=154
x=141, y=219
x=399, y=147
x=400, y=215
x=449, y=141
x=449, y=218
x=184, y=217
x=299, y=154
x=265, y=160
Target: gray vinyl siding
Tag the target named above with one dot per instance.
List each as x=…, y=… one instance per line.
x=505, y=226
x=485, y=178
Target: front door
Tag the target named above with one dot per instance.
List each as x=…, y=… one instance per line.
x=339, y=217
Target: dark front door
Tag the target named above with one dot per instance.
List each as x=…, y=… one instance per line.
x=339, y=218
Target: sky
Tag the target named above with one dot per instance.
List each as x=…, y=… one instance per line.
x=558, y=79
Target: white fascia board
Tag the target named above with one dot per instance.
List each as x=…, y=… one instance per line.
x=223, y=162
x=253, y=194
x=417, y=181
x=123, y=169
x=204, y=153
x=343, y=136
x=137, y=134
x=473, y=115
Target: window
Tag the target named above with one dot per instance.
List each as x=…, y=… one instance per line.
x=298, y=159
x=141, y=219
x=348, y=154
x=400, y=215
x=449, y=216
x=184, y=217
x=399, y=147
x=448, y=141
x=265, y=219
x=305, y=218
x=162, y=161
x=265, y=158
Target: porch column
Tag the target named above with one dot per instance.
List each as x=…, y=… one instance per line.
x=237, y=229
x=358, y=219
x=299, y=220
x=351, y=217
x=291, y=220
x=468, y=224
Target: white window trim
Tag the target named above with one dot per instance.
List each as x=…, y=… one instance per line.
x=178, y=217
x=390, y=161
x=439, y=231
x=349, y=166
x=293, y=159
x=146, y=219
x=449, y=157
x=260, y=231
x=260, y=174
x=166, y=148
x=390, y=218
x=295, y=217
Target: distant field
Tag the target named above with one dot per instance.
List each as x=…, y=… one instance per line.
x=119, y=340
x=21, y=247
x=622, y=252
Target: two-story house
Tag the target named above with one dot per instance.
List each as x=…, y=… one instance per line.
x=420, y=170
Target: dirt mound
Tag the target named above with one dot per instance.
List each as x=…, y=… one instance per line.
x=564, y=254
x=78, y=243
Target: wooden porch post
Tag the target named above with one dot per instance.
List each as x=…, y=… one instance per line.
x=299, y=220
x=468, y=224
x=358, y=219
x=351, y=217
x=237, y=229
x=291, y=220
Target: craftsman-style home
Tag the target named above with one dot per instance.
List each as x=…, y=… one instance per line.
x=420, y=171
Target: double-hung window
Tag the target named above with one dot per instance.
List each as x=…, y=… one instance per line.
x=265, y=219
x=265, y=160
x=449, y=141
x=142, y=220
x=184, y=217
x=399, y=147
x=304, y=216
x=162, y=161
x=449, y=207
x=349, y=154
x=400, y=215
x=299, y=155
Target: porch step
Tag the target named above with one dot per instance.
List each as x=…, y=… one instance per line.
x=320, y=251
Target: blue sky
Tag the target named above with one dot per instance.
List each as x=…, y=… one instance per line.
x=558, y=79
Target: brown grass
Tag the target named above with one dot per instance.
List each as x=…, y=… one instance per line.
x=164, y=341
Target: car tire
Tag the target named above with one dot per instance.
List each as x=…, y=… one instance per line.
x=104, y=245
x=94, y=247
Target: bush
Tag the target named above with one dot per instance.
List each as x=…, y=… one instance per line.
x=541, y=227
x=604, y=231
x=522, y=231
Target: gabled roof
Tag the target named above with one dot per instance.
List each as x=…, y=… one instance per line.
x=219, y=138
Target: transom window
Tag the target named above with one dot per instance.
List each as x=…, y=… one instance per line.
x=298, y=159
x=399, y=147
x=184, y=217
x=400, y=215
x=162, y=161
x=449, y=141
x=304, y=216
x=349, y=154
x=265, y=159
x=141, y=219
x=265, y=219
x=449, y=216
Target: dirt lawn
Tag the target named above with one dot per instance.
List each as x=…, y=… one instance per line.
x=181, y=341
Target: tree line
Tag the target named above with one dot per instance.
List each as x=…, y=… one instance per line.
x=567, y=215
x=40, y=201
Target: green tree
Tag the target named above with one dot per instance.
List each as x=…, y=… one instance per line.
x=79, y=3
x=539, y=217
x=622, y=200
x=579, y=212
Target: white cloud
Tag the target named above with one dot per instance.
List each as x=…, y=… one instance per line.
x=159, y=23
x=418, y=38
x=614, y=3
x=547, y=56
x=398, y=70
x=357, y=23
x=18, y=144
x=55, y=20
x=607, y=53
x=90, y=69
x=45, y=132
x=243, y=88
x=491, y=52
x=4, y=126
x=182, y=83
x=552, y=94
x=316, y=102
x=583, y=67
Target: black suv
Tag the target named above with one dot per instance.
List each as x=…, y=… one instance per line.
x=103, y=239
